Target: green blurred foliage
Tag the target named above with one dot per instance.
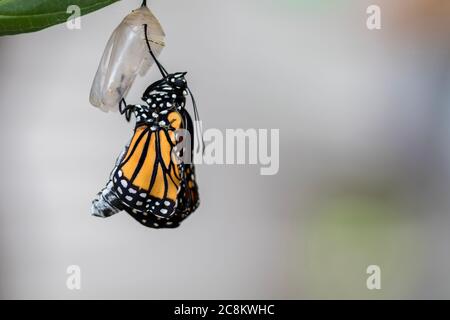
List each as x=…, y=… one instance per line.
x=346, y=235
x=20, y=16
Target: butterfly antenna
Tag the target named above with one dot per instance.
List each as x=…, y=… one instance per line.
x=198, y=125
x=160, y=66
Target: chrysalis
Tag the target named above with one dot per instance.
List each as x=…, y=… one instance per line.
x=124, y=57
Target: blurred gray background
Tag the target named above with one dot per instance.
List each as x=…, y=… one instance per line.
x=364, y=155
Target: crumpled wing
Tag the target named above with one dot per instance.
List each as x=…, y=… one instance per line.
x=126, y=54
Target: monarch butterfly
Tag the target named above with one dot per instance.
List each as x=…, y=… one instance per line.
x=150, y=181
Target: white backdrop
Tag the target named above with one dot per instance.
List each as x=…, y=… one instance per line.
x=361, y=116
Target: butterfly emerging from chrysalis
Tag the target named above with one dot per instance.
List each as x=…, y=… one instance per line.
x=151, y=179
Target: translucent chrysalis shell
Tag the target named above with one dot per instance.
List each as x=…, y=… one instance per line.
x=126, y=54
